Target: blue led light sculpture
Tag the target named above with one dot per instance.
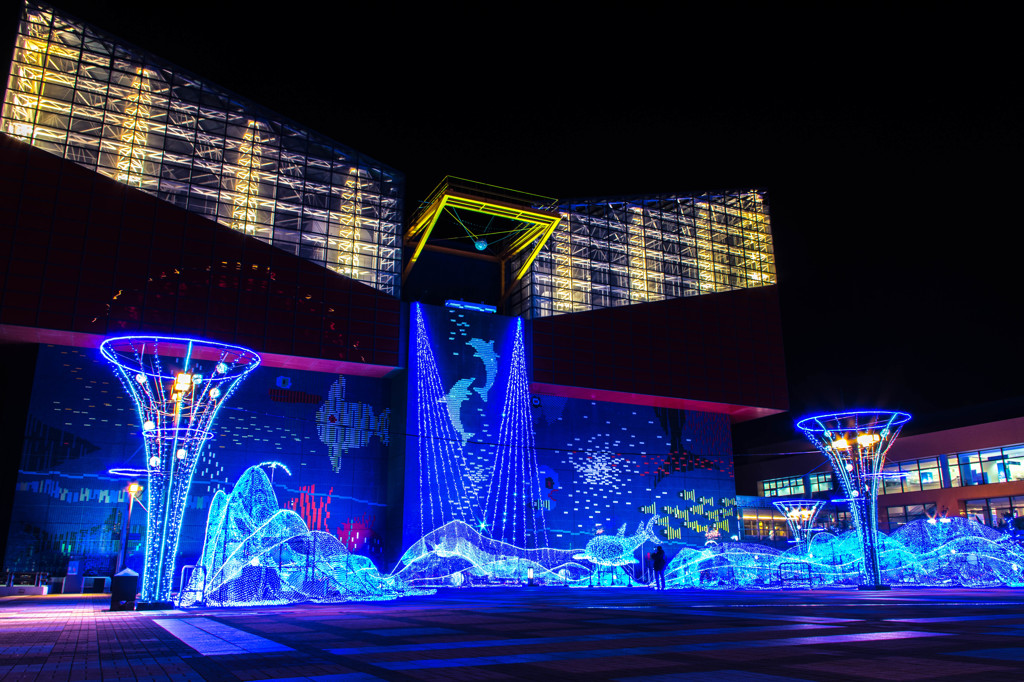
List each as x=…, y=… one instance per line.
x=515, y=512
x=800, y=516
x=178, y=385
x=256, y=553
x=954, y=552
x=618, y=549
x=459, y=555
x=855, y=444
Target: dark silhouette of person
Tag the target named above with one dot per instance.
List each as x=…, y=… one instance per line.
x=658, y=564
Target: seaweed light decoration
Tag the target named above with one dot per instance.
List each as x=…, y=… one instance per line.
x=178, y=385
x=855, y=443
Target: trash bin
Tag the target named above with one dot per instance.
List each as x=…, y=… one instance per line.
x=123, y=588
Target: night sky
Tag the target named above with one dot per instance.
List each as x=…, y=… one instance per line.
x=889, y=142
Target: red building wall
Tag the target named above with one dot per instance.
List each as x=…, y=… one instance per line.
x=83, y=254
x=718, y=352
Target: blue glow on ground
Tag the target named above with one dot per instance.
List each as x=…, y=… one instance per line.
x=649, y=650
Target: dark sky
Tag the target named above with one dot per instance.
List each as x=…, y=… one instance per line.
x=889, y=142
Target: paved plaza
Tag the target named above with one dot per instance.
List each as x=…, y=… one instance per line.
x=531, y=633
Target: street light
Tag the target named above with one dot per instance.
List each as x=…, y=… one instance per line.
x=134, y=488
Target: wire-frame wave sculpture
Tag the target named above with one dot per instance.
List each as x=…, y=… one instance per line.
x=256, y=553
x=952, y=552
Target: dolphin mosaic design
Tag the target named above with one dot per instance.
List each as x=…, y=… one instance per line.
x=485, y=351
x=617, y=550
x=455, y=398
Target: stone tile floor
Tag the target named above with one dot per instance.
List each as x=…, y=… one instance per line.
x=531, y=633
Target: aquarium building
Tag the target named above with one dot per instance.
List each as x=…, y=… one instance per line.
x=571, y=374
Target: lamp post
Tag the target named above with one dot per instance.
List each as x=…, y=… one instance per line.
x=133, y=489
x=855, y=444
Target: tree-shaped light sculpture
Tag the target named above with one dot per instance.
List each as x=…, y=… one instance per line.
x=177, y=385
x=800, y=516
x=855, y=443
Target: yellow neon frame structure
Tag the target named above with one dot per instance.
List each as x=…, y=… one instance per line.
x=539, y=225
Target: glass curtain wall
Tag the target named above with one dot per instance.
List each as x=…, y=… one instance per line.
x=822, y=483
x=124, y=114
x=764, y=524
x=902, y=515
x=998, y=512
x=782, y=487
x=615, y=252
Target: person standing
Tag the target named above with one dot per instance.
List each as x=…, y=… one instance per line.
x=658, y=564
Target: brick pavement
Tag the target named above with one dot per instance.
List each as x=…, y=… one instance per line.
x=554, y=633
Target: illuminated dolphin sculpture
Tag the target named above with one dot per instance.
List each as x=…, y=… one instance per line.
x=617, y=550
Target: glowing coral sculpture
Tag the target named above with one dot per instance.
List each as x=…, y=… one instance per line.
x=178, y=385
x=257, y=553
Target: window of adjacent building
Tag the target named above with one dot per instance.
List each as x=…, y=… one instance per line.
x=904, y=514
x=997, y=512
x=913, y=476
x=954, y=472
x=1014, y=462
x=970, y=468
x=764, y=524
x=993, y=467
x=822, y=482
x=781, y=487
x=930, y=477
x=892, y=481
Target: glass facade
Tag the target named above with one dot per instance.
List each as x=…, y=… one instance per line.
x=997, y=465
x=998, y=512
x=902, y=515
x=781, y=487
x=822, y=483
x=129, y=116
x=913, y=476
x=764, y=524
x=615, y=252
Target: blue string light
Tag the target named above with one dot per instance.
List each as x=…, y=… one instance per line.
x=514, y=511
x=444, y=493
x=855, y=444
x=177, y=386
